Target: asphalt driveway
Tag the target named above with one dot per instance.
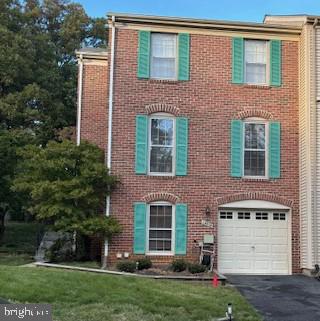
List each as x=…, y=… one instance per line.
x=281, y=298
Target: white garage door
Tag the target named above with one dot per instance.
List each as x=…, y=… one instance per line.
x=253, y=242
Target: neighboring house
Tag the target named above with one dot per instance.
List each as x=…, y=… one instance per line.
x=200, y=121
x=309, y=129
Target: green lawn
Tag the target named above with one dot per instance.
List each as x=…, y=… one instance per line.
x=80, y=296
x=15, y=259
x=86, y=264
x=19, y=237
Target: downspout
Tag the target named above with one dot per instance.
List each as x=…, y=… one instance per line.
x=109, y=147
x=80, y=84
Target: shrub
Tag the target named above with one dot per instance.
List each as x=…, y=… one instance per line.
x=179, y=265
x=126, y=266
x=196, y=268
x=144, y=263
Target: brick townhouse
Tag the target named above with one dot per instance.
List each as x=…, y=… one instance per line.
x=200, y=121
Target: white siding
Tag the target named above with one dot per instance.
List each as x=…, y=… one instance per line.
x=316, y=213
x=307, y=130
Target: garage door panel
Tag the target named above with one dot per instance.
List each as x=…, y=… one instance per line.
x=262, y=249
x=243, y=231
x=279, y=249
x=279, y=232
x=227, y=248
x=242, y=249
x=254, y=246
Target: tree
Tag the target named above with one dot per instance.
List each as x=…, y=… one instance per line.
x=67, y=184
x=38, y=69
x=10, y=141
x=38, y=77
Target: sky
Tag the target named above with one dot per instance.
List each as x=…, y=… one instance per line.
x=241, y=10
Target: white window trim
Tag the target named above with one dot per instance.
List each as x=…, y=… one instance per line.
x=266, y=123
x=176, y=57
x=161, y=253
x=267, y=83
x=162, y=116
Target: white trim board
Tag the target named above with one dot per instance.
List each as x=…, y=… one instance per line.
x=255, y=204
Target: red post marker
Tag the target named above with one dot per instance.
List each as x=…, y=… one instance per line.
x=215, y=281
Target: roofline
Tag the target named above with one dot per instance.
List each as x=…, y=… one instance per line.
x=92, y=55
x=203, y=23
x=308, y=18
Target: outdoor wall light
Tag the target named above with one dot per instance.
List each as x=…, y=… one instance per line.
x=126, y=255
x=119, y=255
x=208, y=210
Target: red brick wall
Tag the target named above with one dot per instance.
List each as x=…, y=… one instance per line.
x=210, y=101
x=94, y=115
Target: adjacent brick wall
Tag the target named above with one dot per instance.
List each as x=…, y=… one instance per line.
x=94, y=120
x=210, y=102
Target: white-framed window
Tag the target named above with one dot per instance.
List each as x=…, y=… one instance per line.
x=256, y=59
x=163, y=56
x=161, y=144
x=255, y=151
x=160, y=232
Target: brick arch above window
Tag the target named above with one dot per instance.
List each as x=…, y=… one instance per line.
x=254, y=113
x=162, y=108
x=254, y=196
x=160, y=196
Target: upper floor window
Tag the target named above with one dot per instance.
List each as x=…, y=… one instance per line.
x=161, y=145
x=161, y=152
x=256, y=61
x=163, y=56
x=255, y=149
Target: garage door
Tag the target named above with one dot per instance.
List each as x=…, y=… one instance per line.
x=253, y=242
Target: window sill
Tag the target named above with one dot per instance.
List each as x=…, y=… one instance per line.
x=255, y=179
x=165, y=81
x=263, y=87
x=160, y=176
x=159, y=254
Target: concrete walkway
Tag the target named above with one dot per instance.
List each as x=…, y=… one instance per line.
x=281, y=298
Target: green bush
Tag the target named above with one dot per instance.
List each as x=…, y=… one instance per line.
x=196, y=268
x=126, y=266
x=144, y=263
x=179, y=265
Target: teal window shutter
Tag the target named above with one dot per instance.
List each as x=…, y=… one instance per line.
x=141, y=144
x=236, y=148
x=181, y=146
x=181, y=225
x=274, y=149
x=183, y=60
x=275, y=62
x=139, y=243
x=237, y=60
x=144, y=54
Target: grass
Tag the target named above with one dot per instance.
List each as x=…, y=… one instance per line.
x=15, y=259
x=80, y=296
x=86, y=264
x=19, y=237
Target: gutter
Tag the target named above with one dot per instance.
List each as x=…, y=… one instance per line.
x=80, y=84
x=110, y=111
x=205, y=23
